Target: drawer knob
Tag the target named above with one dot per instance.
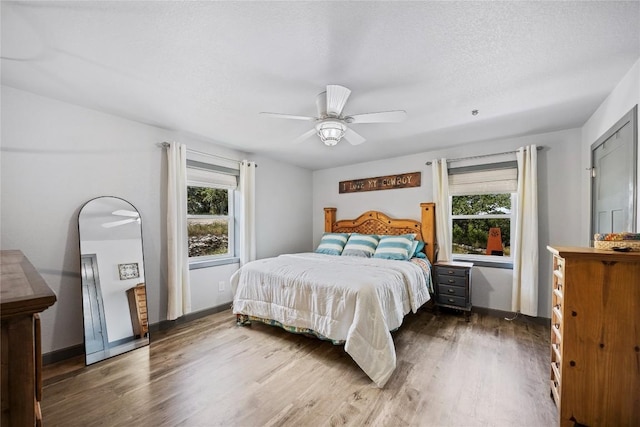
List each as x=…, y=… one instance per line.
x=451, y=281
x=452, y=300
x=451, y=291
x=450, y=272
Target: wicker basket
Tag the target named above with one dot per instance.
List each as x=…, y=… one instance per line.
x=617, y=240
x=609, y=245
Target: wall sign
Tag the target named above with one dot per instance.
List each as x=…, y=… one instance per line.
x=404, y=180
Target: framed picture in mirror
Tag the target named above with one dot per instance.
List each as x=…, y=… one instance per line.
x=128, y=271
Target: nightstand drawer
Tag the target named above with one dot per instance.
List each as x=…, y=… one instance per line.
x=451, y=300
x=448, y=271
x=451, y=280
x=445, y=290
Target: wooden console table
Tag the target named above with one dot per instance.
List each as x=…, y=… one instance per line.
x=23, y=294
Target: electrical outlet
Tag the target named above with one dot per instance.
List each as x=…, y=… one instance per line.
x=221, y=286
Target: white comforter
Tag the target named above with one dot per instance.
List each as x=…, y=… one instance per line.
x=356, y=300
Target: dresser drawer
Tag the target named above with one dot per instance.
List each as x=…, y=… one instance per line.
x=451, y=280
x=449, y=271
x=444, y=290
x=452, y=300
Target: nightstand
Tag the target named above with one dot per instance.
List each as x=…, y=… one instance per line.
x=453, y=285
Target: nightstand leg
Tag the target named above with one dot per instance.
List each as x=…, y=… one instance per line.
x=466, y=316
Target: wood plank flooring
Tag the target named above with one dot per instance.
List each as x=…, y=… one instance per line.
x=210, y=372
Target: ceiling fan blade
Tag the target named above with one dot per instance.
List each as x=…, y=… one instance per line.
x=336, y=98
x=321, y=104
x=353, y=137
x=289, y=116
x=304, y=136
x=118, y=223
x=381, y=117
x=123, y=212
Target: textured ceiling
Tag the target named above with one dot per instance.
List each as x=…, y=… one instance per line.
x=209, y=68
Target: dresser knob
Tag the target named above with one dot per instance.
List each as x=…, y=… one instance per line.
x=451, y=291
x=451, y=281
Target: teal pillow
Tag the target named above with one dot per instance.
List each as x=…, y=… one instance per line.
x=362, y=245
x=395, y=247
x=418, y=246
x=332, y=243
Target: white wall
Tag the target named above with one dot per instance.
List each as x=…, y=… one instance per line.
x=284, y=208
x=619, y=102
x=558, y=198
x=56, y=156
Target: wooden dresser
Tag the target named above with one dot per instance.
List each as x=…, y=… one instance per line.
x=453, y=285
x=595, y=336
x=137, y=297
x=23, y=294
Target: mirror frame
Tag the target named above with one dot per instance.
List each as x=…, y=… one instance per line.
x=134, y=284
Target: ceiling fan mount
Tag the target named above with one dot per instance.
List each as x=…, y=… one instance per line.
x=331, y=124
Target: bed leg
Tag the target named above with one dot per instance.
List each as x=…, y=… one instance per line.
x=242, y=320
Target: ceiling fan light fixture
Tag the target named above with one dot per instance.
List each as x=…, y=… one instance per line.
x=330, y=132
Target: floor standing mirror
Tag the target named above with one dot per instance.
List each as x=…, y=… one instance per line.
x=114, y=297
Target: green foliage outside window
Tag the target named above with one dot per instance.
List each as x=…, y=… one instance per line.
x=481, y=204
x=207, y=201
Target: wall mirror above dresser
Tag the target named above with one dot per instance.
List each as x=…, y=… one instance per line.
x=114, y=302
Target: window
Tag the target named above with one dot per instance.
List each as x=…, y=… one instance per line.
x=483, y=205
x=481, y=224
x=210, y=212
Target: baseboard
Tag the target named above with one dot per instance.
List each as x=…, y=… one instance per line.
x=62, y=354
x=510, y=315
x=78, y=350
x=168, y=324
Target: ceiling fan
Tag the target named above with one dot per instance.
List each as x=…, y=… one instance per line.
x=132, y=216
x=331, y=123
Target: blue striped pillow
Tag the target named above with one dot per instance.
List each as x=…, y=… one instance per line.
x=362, y=245
x=332, y=243
x=395, y=247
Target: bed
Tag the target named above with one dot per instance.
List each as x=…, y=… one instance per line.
x=350, y=300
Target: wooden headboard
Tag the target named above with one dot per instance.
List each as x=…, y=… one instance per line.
x=374, y=222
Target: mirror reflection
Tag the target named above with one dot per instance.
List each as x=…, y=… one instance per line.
x=113, y=286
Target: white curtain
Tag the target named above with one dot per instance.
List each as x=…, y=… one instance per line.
x=179, y=292
x=247, y=212
x=525, y=253
x=443, y=208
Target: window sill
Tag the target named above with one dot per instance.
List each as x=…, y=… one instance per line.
x=486, y=261
x=195, y=265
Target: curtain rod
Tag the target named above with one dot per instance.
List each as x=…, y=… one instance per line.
x=483, y=155
x=202, y=153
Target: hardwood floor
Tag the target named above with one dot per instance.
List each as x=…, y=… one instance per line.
x=210, y=372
